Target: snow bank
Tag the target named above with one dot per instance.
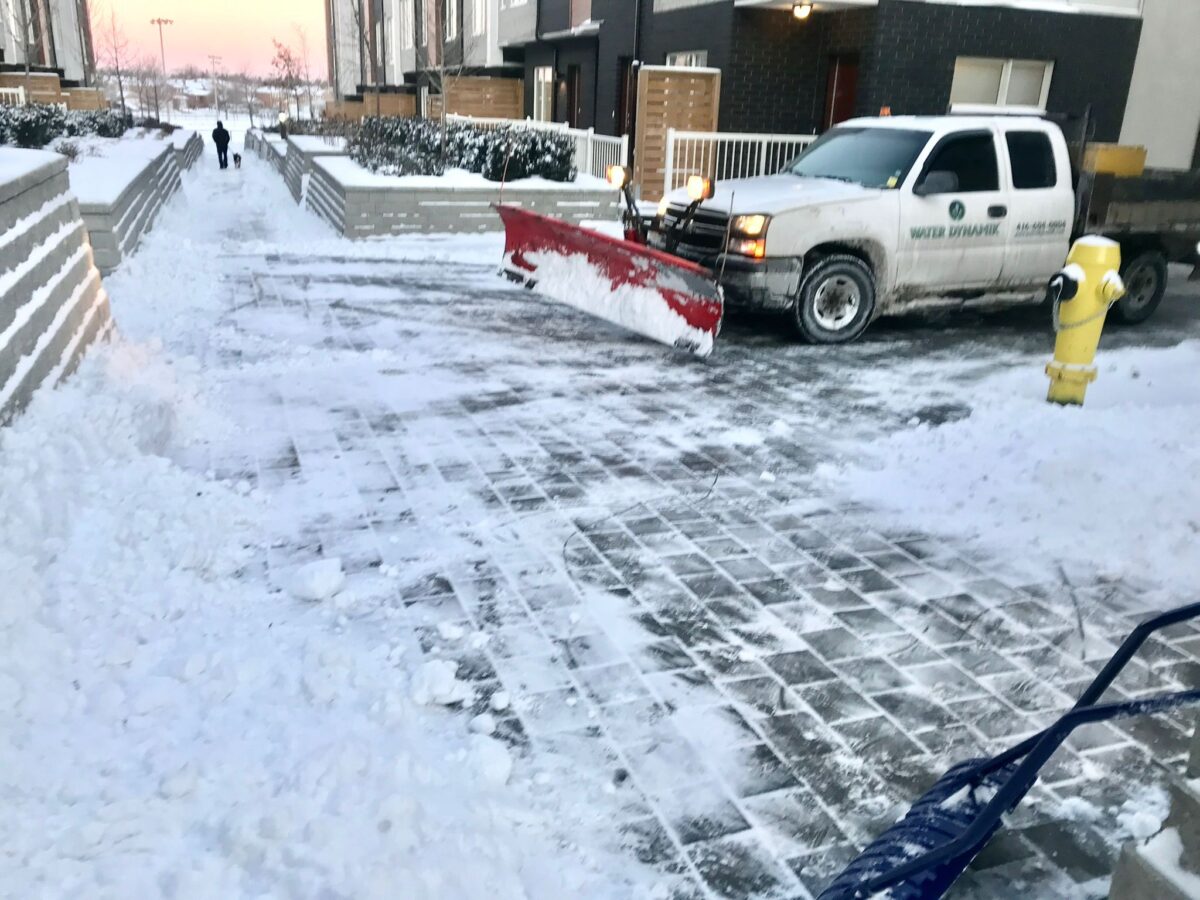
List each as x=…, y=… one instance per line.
x=1112, y=487
x=351, y=175
x=100, y=175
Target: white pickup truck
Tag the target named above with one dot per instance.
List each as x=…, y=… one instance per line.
x=883, y=216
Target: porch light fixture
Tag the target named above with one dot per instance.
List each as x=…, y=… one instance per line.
x=802, y=10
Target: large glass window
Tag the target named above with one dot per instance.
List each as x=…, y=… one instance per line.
x=450, y=19
x=543, y=93
x=972, y=160
x=984, y=81
x=873, y=157
x=1032, y=160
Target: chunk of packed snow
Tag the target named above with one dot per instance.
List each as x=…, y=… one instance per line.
x=436, y=682
x=491, y=759
x=500, y=701
x=1165, y=850
x=317, y=580
x=484, y=723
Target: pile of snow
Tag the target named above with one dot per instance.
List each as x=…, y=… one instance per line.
x=174, y=724
x=1112, y=487
x=1165, y=850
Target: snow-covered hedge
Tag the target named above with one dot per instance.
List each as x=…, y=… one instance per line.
x=400, y=146
x=36, y=125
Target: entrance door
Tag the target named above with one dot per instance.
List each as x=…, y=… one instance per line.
x=625, y=99
x=573, y=78
x=841, y=89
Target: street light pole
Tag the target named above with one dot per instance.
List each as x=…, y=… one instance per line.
x=160, y=22
x=215, y=61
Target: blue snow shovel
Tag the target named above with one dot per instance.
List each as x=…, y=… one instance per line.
x=923, y=854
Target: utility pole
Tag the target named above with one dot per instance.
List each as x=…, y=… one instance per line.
x=215, y=61
x=162, y=52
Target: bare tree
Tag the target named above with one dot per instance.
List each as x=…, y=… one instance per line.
x=287, y=73
x=20, y=28
x=116, y=49
x=245, y=94
x=302, y=38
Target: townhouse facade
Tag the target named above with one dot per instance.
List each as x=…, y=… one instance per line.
x=798, y=67
x=54, y=34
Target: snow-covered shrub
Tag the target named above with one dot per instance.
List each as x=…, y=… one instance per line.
x=410, y=146
x=34, y=125
x=69, y=149
x=100, y=122
x=524, y=153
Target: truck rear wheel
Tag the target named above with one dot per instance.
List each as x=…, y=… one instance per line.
x=836, y=300
x=1145, y=277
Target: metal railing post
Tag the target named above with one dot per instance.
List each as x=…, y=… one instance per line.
x=625, y=150
x=669, y=171
x=588, y=152
x=762, y=156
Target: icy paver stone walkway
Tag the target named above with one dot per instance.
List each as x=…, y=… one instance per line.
x=622, y=552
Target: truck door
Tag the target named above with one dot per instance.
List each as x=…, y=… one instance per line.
x=1041, y=207
x=952, y=224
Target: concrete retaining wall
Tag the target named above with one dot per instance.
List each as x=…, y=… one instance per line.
x=274, y=151
x=361, y=212
x=52, y=302
x=116, y=229
x=299, y=161
x=187, y=154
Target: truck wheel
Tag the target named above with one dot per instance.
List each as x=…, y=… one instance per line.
x=836, y=300
x=1145, y=277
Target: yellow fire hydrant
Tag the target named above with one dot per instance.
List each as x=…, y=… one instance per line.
x=1082, y=293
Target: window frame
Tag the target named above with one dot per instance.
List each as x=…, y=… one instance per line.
x=1050, y=154
x=931, y=155
x=479, y=13
x=406, y=19
x=673, y=59
x=450, y=24
x=1002, y=88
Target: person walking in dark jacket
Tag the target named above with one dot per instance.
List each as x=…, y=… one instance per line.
x=221, y=138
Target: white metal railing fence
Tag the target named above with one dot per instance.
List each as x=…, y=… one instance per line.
x=594, y=153
x=723, y=155
x=12, y=96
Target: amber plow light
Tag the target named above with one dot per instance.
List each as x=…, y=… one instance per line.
x=802, y=10
x=699, y=188
x=617, y=176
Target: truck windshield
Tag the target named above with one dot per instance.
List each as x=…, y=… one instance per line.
x=872, y=157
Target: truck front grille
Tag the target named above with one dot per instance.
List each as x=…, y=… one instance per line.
x=703, y=237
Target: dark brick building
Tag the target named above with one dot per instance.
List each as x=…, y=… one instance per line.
x=785, y=75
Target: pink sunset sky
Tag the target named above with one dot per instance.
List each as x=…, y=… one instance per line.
x=239, y=31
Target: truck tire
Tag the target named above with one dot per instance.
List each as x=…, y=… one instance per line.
x=1145, y=277
x=836, y=300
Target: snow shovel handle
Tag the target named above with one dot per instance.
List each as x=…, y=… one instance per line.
x=1021, y=780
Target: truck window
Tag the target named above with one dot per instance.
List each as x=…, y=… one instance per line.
x=1032, y=160
x=872, y=157
x=972, y=157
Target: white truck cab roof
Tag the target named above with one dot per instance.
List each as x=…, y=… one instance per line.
x=951, y=123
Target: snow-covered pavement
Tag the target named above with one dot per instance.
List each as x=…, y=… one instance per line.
x=604, y=622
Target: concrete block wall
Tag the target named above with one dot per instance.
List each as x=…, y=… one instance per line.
x=1140, y=873
x=361, y=212
x=299, y=163
x=117, y=229
x=52, y=301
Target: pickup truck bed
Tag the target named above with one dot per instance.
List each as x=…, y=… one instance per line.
x=1162, y=202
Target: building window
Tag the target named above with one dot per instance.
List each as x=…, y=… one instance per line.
x=406, y=24
x=543, y=93
x=980, y=81
x=450, y=17
x=478, y=16
x=421, y=31
x=688, y=59
x=1032, y=160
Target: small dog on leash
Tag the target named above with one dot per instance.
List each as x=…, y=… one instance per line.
x=237, y=160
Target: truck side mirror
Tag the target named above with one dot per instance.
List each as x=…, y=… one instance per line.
x=939, y=181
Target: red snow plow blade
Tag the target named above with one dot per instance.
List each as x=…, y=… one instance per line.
x=667, y=299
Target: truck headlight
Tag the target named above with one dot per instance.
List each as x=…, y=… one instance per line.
x=756, y=248
x=662, y=207
x=750, y=226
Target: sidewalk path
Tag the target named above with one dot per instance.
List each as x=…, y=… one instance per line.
x=696, y=661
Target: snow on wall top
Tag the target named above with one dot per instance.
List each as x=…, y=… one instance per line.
x=350, y=174
x=101, y=179
x=16, y=164
x=310, y=143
